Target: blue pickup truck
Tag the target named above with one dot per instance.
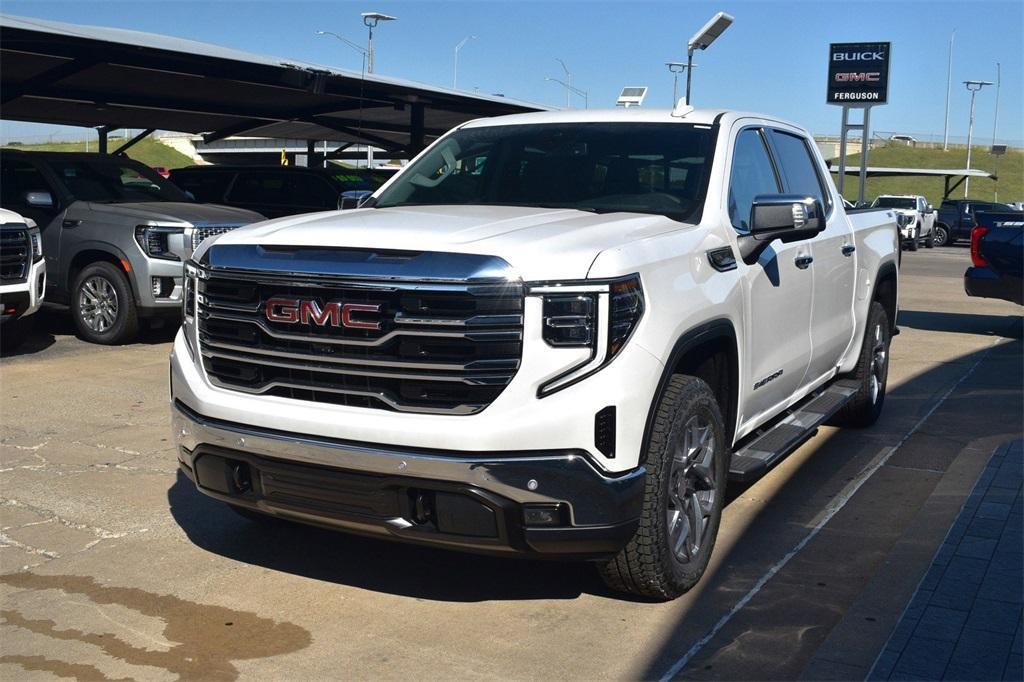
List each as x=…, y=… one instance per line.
x=997, y=254
x=956, y=218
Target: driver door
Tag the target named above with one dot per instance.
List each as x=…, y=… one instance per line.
x=777, y=339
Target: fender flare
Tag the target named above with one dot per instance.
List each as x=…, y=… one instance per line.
x=105, y=247
x=719, y=328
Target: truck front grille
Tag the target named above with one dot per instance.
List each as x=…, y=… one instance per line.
x=441, y=348
x=15, y=254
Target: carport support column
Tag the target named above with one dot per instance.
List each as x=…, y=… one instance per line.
x=310, y=153
x=102, y=132
x=416, y=129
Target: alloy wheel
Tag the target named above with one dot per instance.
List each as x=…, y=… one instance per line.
x=692, y=489
x=97, y=304
x=879, y=357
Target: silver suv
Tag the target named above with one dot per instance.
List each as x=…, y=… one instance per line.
x=115, y=235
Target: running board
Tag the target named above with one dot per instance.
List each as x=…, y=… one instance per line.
x=753, y=460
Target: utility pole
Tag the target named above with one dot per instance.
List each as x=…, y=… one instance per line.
x=568, y=79
x=995, y=122
x=949, y=85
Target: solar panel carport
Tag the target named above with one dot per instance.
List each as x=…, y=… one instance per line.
x=107, y=78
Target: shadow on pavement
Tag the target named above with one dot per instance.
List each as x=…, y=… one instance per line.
x=370, y=563
x=52, y=321
x=1006, y=326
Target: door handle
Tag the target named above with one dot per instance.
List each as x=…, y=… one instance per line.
x=803, y=262
x=848, y=249
x=68, y=224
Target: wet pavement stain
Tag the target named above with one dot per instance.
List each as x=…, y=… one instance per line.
x=205, y=639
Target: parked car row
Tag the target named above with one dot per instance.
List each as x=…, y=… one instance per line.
x=116, y=233
x=22, y=277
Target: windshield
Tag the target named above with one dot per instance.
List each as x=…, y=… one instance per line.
x=656, y=168
x=111, y=182
x=895, y=202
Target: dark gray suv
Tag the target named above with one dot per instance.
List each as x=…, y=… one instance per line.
x=115, y=235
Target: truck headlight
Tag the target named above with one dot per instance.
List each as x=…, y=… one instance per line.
x=154, y=240
x=600, y=316
x=37, y=244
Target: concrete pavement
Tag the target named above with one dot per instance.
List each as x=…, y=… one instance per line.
x=113, y=566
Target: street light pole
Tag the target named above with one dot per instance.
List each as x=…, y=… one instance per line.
x=358, y=48
x=702, y=39
x=677, y=68
x=455, y=75
x=370, y=20
x=574, y=90
x=973, y=87
x=568, y=78
x=995, y=121
x=949, y=85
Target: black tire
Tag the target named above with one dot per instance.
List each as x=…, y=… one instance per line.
x=13, y=333
x=929, y=241
x=871, y=373
x=102, y=305
x=942, y=235
x=649, y=565
x=914, y=236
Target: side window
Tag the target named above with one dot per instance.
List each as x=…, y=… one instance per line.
x=752, y=174
x=205, y=187
x=308, y=190
x=798, y=168
x=258, y=188
x=18, y=177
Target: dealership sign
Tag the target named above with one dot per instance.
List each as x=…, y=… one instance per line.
x=858, y=74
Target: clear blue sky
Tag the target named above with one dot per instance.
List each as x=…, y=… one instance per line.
x=772, y=59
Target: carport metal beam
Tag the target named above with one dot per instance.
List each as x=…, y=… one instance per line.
x=132, y=142
x=102, y=132
x=383, y=142
x=46, y=78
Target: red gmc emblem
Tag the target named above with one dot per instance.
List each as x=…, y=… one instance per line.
x=333, y=313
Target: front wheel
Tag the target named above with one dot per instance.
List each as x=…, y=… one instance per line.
x=915, y=234
x=871, y=373
x=929, y=241
x=941, y=235
x=102, y=305
x=687, y=466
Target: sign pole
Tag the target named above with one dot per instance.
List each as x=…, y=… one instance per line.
x=842, y=149
x=865, y=126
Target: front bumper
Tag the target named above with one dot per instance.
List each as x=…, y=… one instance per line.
x=986, y=283
x=25, y=297
x=485, y=503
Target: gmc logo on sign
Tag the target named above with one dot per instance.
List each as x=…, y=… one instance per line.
x=333, y=313
x=871, y=77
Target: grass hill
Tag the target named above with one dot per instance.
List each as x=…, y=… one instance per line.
x=1009, y=168
x=147, y=151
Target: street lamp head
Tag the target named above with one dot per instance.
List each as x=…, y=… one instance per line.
x=976, y=85
x=371, y=18
x=705, y=36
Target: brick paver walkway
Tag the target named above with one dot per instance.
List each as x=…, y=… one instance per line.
x=964, y=621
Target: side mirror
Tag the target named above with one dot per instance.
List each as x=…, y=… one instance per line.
x=931, y=209
x=786, y=217
x=39, y=199
x=352, y=199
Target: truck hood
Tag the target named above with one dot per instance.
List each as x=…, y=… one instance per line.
x=541, y=244
x=174, y=212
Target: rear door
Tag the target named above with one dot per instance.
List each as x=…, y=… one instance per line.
x=777, y=344
x=833, y=268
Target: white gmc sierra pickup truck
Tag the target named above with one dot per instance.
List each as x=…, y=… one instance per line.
x=551, y=334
